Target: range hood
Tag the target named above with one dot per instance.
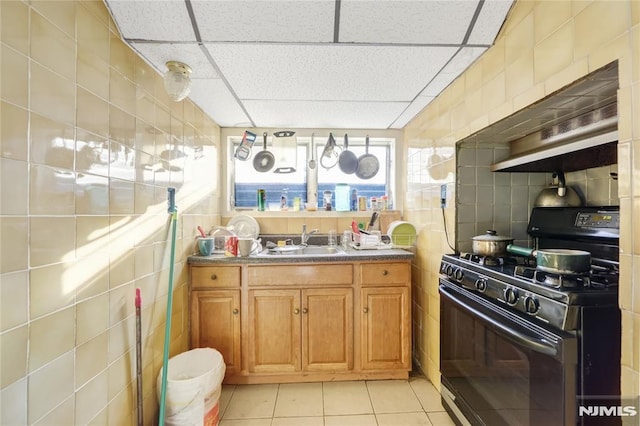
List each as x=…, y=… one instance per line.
x=587, y=141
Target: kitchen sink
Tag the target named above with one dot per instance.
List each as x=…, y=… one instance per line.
x=303, y=251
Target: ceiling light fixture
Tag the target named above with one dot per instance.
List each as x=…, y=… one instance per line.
x=176, y=80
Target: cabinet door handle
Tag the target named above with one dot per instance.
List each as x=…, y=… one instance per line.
x=296, y=311
x=385, y=272
x=214, y=277
x=365, y=310
x=305, y=310
x=235, y=312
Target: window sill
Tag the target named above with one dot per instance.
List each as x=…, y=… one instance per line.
x=302, y=213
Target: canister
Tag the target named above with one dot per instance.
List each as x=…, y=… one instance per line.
x=262, y=199
x=342, y=197
x=362, y=203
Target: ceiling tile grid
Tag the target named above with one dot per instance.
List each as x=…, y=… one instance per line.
x=313, y=63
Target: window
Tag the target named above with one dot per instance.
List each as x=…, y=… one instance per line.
x=246, y=180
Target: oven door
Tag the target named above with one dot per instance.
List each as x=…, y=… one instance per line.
x=500, y=369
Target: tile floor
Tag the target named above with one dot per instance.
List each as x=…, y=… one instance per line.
x=413, y=402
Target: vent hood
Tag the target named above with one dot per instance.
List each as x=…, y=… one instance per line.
x=587, y=141
x=574, y=128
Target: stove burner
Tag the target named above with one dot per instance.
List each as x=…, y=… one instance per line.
x=593, y=278
x=489, y=260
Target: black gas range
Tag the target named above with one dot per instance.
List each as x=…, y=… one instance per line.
x=509, y=328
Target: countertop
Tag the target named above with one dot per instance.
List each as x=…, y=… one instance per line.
x=349, y=255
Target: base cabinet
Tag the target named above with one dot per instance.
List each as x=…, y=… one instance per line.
x=386, y=328
x=300, y=330
x=276, y=323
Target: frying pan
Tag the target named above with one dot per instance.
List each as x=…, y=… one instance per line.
x=556, y=261
x=347, y=161
x=368, y=164
x=264, y=160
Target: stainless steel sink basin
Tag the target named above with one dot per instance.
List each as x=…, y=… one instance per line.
x=303, y=251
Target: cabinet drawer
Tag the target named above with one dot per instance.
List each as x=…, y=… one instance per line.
x=215, y=276
x=385, y=273
x=300, y=274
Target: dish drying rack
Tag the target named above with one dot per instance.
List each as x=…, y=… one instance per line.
x=368, y=242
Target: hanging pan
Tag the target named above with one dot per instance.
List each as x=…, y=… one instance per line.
x=368, y=164
x=347, y=161
x=264, y=160
x=329, y=157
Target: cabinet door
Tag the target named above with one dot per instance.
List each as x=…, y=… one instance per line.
x=386, y=328
x=215, y=323
x=274, y=331
x=327, y=328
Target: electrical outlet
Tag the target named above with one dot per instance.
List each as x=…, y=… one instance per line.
x=443, y=196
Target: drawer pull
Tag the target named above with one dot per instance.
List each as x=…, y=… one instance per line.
x=305, y=310
x=385, y=272
x=365, y=310
x=214, y=277
x=296, y=311
x=235, y=312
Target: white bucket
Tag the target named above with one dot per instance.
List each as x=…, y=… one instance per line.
x=194, y=383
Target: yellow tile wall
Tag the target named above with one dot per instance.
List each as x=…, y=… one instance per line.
x=542, y=47
x=83, y=219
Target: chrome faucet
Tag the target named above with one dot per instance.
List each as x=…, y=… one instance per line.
x=304, y=237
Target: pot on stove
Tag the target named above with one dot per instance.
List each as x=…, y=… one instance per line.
x=491, y=244
x=557, y=261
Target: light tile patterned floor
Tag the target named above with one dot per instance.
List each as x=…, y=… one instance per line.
x=413, y=402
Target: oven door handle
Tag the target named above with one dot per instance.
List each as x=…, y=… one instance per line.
x=535, y=344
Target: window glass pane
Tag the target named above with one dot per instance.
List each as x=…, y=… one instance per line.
x=374, y=187
x=247, y=180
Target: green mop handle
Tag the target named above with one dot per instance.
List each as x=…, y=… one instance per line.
x=167, y=330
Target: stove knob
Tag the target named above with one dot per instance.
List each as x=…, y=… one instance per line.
x=511, y=296
x=459, y=274
x=481, y=284
x=449, y=270
x=443, y=268
x=531, y=305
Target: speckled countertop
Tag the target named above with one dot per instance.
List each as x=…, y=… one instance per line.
x=350, y=255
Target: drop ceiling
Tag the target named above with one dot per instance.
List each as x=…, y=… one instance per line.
x=312, y=63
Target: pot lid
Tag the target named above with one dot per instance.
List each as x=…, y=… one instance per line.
x=491, y=235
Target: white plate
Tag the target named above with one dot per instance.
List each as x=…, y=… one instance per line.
x=245, y=226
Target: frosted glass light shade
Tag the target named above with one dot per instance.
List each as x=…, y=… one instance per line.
x=176, y=80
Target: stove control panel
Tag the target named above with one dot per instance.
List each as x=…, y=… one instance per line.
x=512, y=296
x=609, y=219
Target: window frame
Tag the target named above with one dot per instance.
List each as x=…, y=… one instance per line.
x=232, y=136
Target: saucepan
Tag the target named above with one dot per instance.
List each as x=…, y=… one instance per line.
x=491, y=244
x=556, y=261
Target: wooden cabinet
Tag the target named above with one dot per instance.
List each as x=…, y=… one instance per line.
x=215, y=313
x=386, y=316
x=300, y=330
x=304, y=321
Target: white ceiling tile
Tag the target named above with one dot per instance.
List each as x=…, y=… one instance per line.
x=164, y=20
x=335, y=72
x=424, y=22
x=489, y=21
x=270, y=21
x=191, y=54
x=215, y=99
x=412, y=110
x=465, y=57
x=295, y=114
